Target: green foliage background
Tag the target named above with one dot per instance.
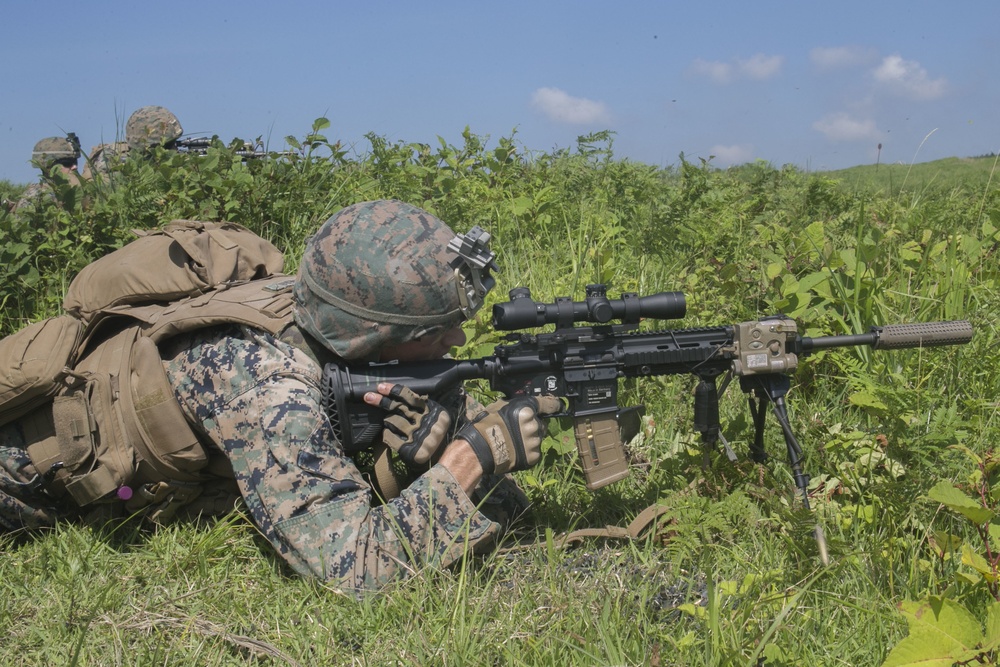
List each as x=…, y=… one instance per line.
x=735, y=578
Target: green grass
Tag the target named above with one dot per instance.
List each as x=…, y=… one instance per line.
x=735, y=576
x=972, y=173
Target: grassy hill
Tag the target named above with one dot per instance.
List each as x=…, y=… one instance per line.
x=973, y=173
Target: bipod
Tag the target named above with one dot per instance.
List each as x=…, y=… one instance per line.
x=772, y=388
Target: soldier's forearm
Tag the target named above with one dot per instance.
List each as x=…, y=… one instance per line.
x=463, y=465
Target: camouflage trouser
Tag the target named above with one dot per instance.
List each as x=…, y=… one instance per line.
x=23, y=503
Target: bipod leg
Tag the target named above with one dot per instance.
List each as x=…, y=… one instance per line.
x=773, y=388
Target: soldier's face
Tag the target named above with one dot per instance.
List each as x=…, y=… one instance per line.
x=425, y=348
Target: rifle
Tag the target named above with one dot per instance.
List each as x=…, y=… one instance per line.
x=197, y=145
x=250, y=150
x=585, y=363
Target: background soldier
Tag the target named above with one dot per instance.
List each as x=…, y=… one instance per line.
x=56, y=157
x=152, y=126
x=146, y=128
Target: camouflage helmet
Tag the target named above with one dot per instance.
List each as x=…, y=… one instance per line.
x=151, y=126
x=382, y=273
x=51, y=150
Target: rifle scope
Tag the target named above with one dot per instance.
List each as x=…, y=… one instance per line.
x=522, y=311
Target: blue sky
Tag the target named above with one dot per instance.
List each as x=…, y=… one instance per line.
x=818, y=85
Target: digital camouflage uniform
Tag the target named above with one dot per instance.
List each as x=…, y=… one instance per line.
x=23, y=501
x=47, y=153
x=258, y=399
x=104, y=159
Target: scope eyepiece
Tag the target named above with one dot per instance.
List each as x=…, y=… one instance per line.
x=523, y=312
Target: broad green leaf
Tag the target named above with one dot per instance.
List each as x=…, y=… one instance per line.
x=520, y=205
x=946, y=541
x=849, y=259
x=789, y=285
x=911, y=253
x=945, y=493
x=813, y=238
x=813, y=281
x=942, y=632
x=693, y=610
x=970, y=578
x=989, y=229
x=774, y=269
x=864, y=399
x=922, y=651
x=977, y=563
x=729, y=587
x=994, y=531
x=991, y=638
x=773, y=653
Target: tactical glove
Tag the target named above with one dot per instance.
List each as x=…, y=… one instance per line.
x=415, y=427
x=508, y=435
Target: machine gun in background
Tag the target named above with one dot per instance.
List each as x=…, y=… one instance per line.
x=585, y=363
x=245, y=149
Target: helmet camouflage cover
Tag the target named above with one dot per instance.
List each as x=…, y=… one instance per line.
x=152, y=126
x=384, y=272
x=51, y=150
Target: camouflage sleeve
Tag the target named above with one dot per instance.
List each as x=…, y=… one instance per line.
x=23, y=502
x=31, y=195
x=260, y=401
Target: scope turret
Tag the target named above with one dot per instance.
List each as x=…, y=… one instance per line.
x=523, y=312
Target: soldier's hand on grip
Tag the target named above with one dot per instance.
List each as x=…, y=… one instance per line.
x=415, y=427
x=508, y=435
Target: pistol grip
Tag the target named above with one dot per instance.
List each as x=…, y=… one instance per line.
x=602, y=454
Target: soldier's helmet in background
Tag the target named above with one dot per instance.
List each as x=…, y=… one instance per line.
x=152, y=126
x=379, y=273
x=55, y=150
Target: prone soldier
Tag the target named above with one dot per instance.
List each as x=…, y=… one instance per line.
x=381, y=281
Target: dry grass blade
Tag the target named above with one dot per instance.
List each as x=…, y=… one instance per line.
x=145, y=621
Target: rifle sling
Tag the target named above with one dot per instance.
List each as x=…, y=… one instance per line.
x=645, y=520
x=637, y=528
x=386, y=481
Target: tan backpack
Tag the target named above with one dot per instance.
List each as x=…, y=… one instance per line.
x=89, y=389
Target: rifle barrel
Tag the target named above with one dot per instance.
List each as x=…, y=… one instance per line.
x=899, y=336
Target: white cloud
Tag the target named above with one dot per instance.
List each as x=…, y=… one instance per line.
x=842, y=56
x=730, y=155
x=562, y=107
x=757, y=67
x=716, y=71
x=909, y=79
x=842, y=126
x=760, y=66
